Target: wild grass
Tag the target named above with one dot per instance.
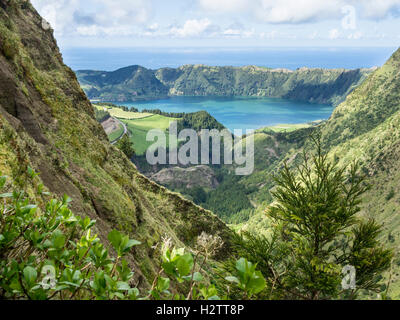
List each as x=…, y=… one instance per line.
x=117, y=133
x=139, y=128
x=121, y=114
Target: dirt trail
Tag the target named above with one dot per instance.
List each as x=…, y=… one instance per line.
x=111, y=125
x=125, y=131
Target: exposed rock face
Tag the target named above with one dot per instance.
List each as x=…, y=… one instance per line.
x=198, y=176
x=110, y=125
x=47, y=123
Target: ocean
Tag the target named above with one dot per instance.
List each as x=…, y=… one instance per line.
x=109, y=59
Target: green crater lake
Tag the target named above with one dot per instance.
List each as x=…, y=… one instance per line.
x=242, y=112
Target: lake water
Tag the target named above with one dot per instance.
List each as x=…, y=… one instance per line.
x=234, y=113
x=242, y=112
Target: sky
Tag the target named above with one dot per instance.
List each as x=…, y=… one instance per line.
x=223, y=23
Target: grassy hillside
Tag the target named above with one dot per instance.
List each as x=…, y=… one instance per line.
x=289, y=127
x=47, y=123
x=126, y=84
x=370, y=105
x=116, y=134
x=362, y=128
x=122, y=114
x=312, y=85
x=140, y=123
x=139, y=128
x=309, y=85
x=365, y=128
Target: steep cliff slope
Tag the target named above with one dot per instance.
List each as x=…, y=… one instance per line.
x=47, y=122
x=310, y=85
x=133, y=82
x=364, y=128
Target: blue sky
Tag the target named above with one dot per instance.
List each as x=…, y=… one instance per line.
x=223, y=23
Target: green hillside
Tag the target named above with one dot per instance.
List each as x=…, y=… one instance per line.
x=364, y=128
x=139, y=128
x=139, y=124
x=304, y=227
x=47, y=123
x=125, y=84
x=309, y=85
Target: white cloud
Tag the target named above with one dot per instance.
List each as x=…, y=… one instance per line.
x=272, y=11
x=380, y=9
x=88, y=30
x=123, y=12
x=134, y=18
x=232, y=32
x=297, y=11
x=302, y=11
x=95, y=30
x=224, y=5
x=192, y=28
x=355, y=36
x=207, y=29
x=153, y=27
x=269, y=35
x=313, y=35
x=238, y=33
x=58, y=13
x=103, y=17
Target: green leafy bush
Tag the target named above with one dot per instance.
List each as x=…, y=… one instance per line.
x=248, y=278
x=187, y=269
x=52, y=254
x=49, y=253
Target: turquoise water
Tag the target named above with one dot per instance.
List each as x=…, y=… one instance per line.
x=242, y=112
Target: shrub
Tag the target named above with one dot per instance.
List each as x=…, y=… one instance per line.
x=315, y=234
x=390, y=195
x=126, y=146
x=52, y=254
x=10, y=48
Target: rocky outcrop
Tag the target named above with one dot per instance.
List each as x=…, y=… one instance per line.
x=197, y=176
